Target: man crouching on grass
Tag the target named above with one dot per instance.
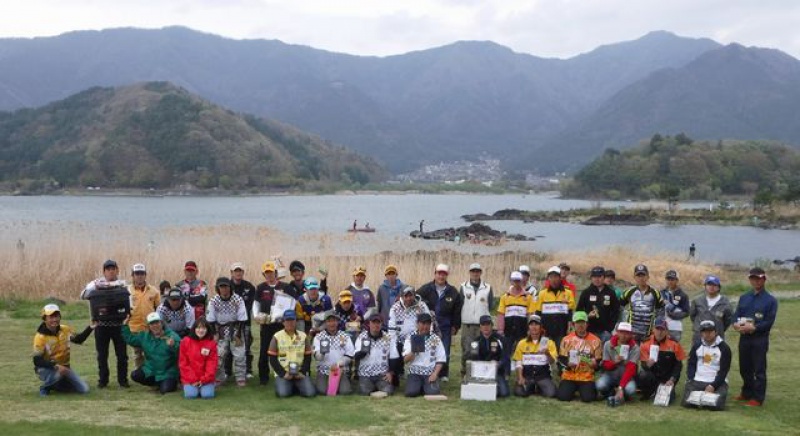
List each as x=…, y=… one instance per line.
x=424, y=352
x=51, y=353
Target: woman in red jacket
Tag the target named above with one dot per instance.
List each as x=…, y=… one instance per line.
x=198, y=361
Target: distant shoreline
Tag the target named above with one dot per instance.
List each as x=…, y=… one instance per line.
x=221, y=193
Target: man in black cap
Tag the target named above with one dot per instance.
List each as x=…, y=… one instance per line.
x=676, y=305
x=755, y=315
x=643, y=302
x=108, y=331
x=375, y=354
x=707, y=371
x=662, y=361
x=488, y=347
x=228, y=314
x=424, y=353
x=295, y=287
x=600, y=302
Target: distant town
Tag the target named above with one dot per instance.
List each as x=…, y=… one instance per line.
x=485, y=170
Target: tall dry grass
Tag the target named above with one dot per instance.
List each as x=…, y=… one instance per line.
x=59, y=259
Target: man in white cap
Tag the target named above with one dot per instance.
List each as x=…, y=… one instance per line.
x=620, y=360
x=145, y=299
x=51, y=353
x=443, y=300
x=478, y=298
x=515, y=307
x=527, y=283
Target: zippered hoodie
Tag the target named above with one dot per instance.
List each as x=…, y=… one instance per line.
x=710, y=363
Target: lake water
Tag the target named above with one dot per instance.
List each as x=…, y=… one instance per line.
x=395, y=216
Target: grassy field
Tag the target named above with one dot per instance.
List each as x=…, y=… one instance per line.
x=255, y=410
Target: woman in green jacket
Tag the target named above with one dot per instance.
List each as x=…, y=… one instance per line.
x=160, y=346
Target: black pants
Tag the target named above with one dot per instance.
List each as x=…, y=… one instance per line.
x=397, y=365
x=566, y=390
x=248, y=343
x=648, y=383
x=267, y=332
x=164, y=386
x=103, y=336
x=753, y=366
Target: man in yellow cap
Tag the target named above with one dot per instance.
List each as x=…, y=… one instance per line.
x=389, y=292
x=51, y=353
x=262, y=306
x=363, y=298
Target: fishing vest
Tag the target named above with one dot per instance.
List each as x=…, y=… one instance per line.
x=291, y=349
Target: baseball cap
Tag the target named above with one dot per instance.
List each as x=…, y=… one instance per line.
x=390, y=269
x=516, y=276
x=597, y=271
x=139, y=267
x=712, y=280
x=345, y=296
x=535, y=318
x=757, y=272
x=223, y=281
x=661, y=323
x=328, y=314
x=311, y=283
x=580, y=316
x=296, y=265
x=289, y=315
x=360, y=270
x=424, y=317
x=624, y=327
x=475, y=267
x=110, y=264
x=610, y=273
x=485, y=319
x=153, y=317
x=268, y=266
x=237, y=265
x=372, y=314
x=443, y=268
x=640, y=269
x=50, y=309
x=190, y=266
x=672, y=274
x=408, y=290
x=175, y=294
x=707, y=325
x=554, y=270
x=524, y=269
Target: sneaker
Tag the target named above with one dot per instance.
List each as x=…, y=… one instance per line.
x=445, y=379
x=102, y=385
x=753, y=403
x=43, y=392
x=124, y=384
x=249, y=375
x=740, y=397
x=241, y=383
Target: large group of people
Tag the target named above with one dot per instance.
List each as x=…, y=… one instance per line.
x=600, y=343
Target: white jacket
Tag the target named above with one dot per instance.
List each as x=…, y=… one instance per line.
x=476, y=302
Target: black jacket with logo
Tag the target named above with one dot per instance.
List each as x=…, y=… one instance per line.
x=449, y=311
x=603, y=299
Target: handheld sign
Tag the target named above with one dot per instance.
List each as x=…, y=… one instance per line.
x=333, y=381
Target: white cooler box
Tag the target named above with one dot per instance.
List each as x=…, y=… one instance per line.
x=481, y=384
x=479, y=391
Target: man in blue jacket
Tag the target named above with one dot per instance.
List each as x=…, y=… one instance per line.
x=754, y=317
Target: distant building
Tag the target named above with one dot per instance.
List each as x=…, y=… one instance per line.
x=484, y=171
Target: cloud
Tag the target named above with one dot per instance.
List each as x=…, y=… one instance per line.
x=553, y=28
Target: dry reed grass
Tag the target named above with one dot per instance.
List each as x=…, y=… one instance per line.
x=59, y=259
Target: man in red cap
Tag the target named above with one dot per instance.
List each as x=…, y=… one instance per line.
x=194, y=290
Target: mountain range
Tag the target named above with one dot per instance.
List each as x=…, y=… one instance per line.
x=157, y=135
x=447, y=103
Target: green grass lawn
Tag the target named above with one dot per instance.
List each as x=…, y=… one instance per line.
x=255, y=410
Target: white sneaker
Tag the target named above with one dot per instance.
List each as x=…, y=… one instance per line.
x=445, y=379
x=249, y=375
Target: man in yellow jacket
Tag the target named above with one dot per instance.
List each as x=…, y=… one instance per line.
x=290, y=358
x=145, y=299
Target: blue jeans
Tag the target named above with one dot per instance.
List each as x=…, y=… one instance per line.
x=204, y=391
x=447, y=340
x=69, y=382
x=286, y=388
x=609, y=381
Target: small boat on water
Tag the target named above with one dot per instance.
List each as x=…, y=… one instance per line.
x=362, y=230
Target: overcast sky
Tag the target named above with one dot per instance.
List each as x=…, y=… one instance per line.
x=551, y=28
